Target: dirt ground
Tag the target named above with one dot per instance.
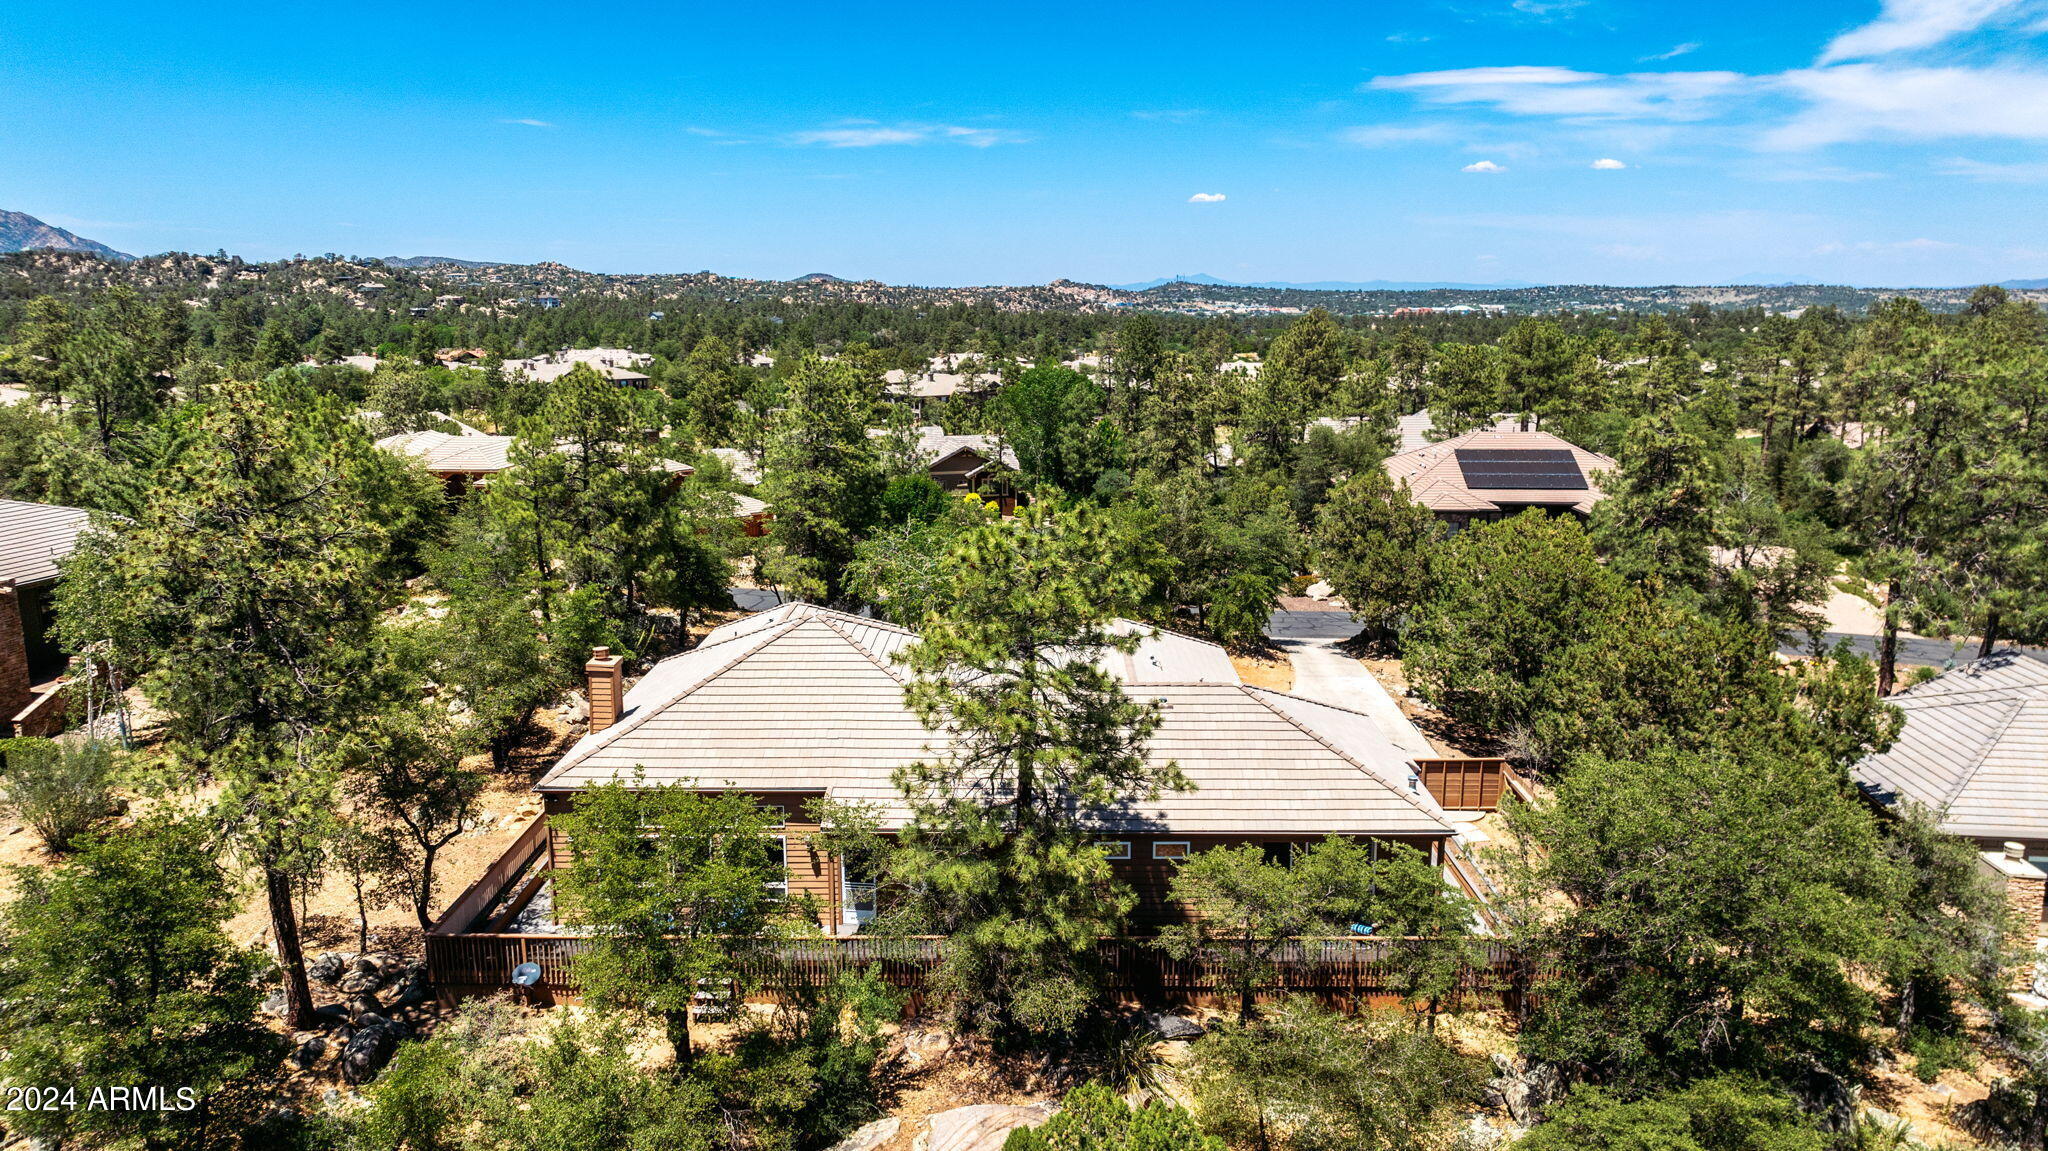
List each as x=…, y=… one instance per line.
x=1449, y=736
x=1273, y=672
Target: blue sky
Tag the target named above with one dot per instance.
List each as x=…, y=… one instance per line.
x=1902, y=142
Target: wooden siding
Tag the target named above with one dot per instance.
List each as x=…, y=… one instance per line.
x=816, y=874
x=812, y=874
x=1470, y=784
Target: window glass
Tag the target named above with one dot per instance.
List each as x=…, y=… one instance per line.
x=1170, y=849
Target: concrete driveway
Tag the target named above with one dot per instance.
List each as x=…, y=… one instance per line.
x=1326, y=675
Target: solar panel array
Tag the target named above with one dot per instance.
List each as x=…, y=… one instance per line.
x=1498, y=468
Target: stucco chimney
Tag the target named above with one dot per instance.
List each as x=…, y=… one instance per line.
x=607, y=687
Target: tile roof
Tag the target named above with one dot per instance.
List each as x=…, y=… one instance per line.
x=34, y=537
x=1974, y=748
x=472, y=454
x=441, y=452
x=1436, y=482
x=801, y=698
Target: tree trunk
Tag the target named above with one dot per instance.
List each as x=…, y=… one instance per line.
x=1990, y=633
x=1888, y=651
x=426, y=888
x=679, y=1038
x=284, y=933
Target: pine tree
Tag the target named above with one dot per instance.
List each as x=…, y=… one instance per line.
x=245, y=593
x=998, y=854
x=822, y=478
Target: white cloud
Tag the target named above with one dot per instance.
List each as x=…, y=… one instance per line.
x=1545, y=9
x=529, y=123
x=1676, y=51
x=1979, y=170
x=1907, y=24
x=1483, y=166
x=1207, y=198
x=1384, y=135
x=869, y=134
x=1606, y=165
x=1872, y=101
x=1917, y=244
x=1540, y=90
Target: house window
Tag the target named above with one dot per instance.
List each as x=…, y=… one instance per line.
x=778, y=862
x=1170, y=849
x=777, y=814
x=1279, y=852
x=1114, y=848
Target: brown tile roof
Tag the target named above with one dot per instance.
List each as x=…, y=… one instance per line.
x=803, y=699
x=1436, y=482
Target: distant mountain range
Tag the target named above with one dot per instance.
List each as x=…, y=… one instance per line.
x=1209, y=281
x=431, y=261
x=820, y=278
x=21, y=232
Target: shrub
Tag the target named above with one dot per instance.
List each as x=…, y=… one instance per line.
x=60, y=789
x=1299, y=1078
x=1727, y=1113
x=1092, y=1118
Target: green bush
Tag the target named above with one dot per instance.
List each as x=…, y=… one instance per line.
x=1092, y=1118
x=1933, y=1054
x=1728, y=1113
x=59, y=788
x=578, y=1086
x=805, y=1076
x=1299, y=1078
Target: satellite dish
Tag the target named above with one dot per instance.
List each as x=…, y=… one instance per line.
x=526, y=975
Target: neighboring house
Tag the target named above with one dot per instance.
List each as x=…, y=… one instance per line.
x=752, y=514
x=1974, y=750
x=1415, y=431
x=967, y=463
x=464, y=461
x=34, y=538
x=1489, y=475
x=801, y=702
x=616, y=364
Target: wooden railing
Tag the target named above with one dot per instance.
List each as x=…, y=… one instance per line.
x=1350, y=971
x=1472, y=784
x=495, y=882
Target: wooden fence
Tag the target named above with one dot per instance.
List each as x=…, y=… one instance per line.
x=1346, y=973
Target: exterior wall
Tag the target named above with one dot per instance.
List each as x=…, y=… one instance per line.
x=816, y=875
x=811, y=874
x=14, y=671
x=2036, y=853
x=1151, y=878
x=2024, y=887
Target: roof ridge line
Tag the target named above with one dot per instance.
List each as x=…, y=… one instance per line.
x=1346, y=756
x=612, y=733
x=1983, y=753
x=862, y=648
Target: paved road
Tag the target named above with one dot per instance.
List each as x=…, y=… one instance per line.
x=754, y=598
x=1334, y=625
x=1914, y=651
x=1326, y=675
